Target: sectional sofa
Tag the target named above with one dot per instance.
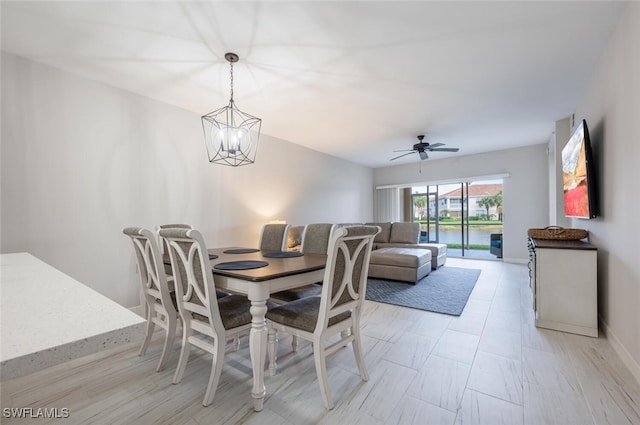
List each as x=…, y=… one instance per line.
x=399, y=255
x=397, y=252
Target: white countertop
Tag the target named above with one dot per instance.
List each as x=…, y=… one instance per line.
x=47, y=317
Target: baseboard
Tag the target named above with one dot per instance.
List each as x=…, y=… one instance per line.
x=515, y=260
x=622, y=351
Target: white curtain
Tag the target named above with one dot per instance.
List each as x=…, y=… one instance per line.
x=387, y=205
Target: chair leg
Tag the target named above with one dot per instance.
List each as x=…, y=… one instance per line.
x=320, y=359
x=357, y=351
x=271, y=348
x=170, y=335
x=216, y=370
x=236, y=343
x=150, y=327
x=294, y=343
x=184, y=354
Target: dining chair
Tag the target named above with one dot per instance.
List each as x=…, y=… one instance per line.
x=163, y=243
x=160, y=308
x=165, y=251
x=207, y=322
x=315, y=240
x=273, y=237
x=338, y=309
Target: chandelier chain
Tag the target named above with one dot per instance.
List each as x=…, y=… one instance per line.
x=231, y=72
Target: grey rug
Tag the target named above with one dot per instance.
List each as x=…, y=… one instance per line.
x=445, y=290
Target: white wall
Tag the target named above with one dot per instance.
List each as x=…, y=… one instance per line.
x=558, y=140
x=525, y=192
x=611, y=107
x=81, y=160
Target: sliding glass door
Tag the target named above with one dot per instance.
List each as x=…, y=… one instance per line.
x=466, y=216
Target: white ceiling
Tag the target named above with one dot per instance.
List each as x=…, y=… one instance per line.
x=356, y=80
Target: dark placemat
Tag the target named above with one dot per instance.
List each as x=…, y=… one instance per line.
x=282, y=254
x=240, y=265
x=241, y=251
x=212, y=256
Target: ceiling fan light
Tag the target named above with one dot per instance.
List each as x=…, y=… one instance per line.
x=422, y=147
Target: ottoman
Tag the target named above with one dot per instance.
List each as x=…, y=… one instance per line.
x=438, y=253
x=405, y=264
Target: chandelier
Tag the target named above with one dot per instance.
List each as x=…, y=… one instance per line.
x=231, y=136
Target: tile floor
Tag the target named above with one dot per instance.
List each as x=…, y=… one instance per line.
x=488, y=366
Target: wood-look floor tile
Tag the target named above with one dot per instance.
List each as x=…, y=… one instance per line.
x=510, y=304
x=542, y=339
x=424, y=368
x=613, y=397
x=502, y=342
x=388, y=382
x=550, y=406
x=412, y=411
x=497, y=376
x=384, y=327
x=472, y=323
x=481, y=409
x=441, y=382
x=457, y=346
x=410, y=350
x=506, y=320
x=430, y=325
x=477, y=306
x=546, y=370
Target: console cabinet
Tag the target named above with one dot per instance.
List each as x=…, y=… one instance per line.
x=564, y=285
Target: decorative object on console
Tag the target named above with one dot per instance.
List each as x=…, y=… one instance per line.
x=558, y=233
x=231, y=136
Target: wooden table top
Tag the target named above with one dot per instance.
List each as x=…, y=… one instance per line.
x=278, y=267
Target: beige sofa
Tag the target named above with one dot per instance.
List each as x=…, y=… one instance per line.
x=399, y=255
x=407, y=235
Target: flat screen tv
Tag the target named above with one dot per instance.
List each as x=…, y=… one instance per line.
x=578, y=175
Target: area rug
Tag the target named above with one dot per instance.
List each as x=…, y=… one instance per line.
x=445, y=290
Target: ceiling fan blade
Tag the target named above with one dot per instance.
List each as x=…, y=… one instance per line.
x=404, y=150
x=404, y=154
x=423, y=155
x=445, y=150
x=435, y=145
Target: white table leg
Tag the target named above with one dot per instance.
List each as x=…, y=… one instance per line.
x=258, y=347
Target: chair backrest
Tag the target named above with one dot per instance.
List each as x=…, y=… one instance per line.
x=195, y=289
x=163, y=243
x=315, y=238
x=345, y=277
x=152, y=273
x=274, y=237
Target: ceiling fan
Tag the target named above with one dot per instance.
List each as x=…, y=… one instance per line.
x=422, y=148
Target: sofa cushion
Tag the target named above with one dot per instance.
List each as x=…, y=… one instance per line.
x=400, y=257
x=385, y=232
x=436, y=248
x=405, y=233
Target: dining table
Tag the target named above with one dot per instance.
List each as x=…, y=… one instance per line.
x=284, y=270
